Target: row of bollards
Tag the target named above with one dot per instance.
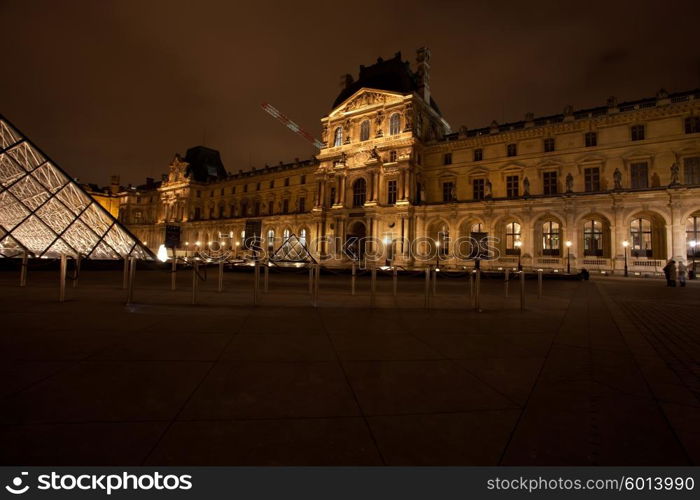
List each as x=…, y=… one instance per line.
x=431, y=274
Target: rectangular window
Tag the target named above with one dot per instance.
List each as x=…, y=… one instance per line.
x=233, y=190
x=285, y=206
x=270, y=207
x=591, y=177
x=245, y=188
x=272, y=184
x=478, y=154
x=549, y=144
x=302, y=205
x=549, y=183
x=512, y=150
x=391, y=192
x=591, y=139
x=478, y=188
x=691, y=170
x=639, y=173
x=692, y=125
x=448, y=191
x=199, y=194
x=512, y=186
x=257, y=187
x=197, y=213
x=447, y=160
x=257, y=208
x=286, y=181
x=637, y=132
x=302, y=180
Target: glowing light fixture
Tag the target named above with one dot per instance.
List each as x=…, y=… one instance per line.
x=162, y=253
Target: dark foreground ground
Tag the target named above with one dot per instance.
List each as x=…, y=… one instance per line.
x=603, y=372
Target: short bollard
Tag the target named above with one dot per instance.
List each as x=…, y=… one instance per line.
x=195, y=281
x=62, y=284
x=506, y=281
x=396, y=280
x=539, y=283
x=256, y=283
x=352, y=279
x=522, y=291
x=173, y=272
x=373, y=286
x=477, y=292
x=427, y=287
x=311, y=279
x=23, y=270
x=435, y=271
x=267, y=276
x=132, y=276
x=76, y=271
x=125, y=281
x=221, y=276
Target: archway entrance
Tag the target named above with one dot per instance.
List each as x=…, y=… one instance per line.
x=355, y=240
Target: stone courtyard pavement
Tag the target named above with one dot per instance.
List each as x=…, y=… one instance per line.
x=604, y=372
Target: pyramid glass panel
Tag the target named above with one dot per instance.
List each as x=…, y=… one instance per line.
x=43, y=211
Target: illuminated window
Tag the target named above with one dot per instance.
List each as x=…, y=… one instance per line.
x=364, y=130
x=395, y=124
x=391, y=192
x=593, y=238
x=640, y=231
x=512, y=235
x=359, y=192
x=270, y=239
x=392, y=156
x=692, y=235
x=550, y=238
x=338, y=136
x=302, y=236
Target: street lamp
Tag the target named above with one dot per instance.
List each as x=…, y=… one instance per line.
x=518, y=244
x=693, y=244
x=437, y=254
x=568, y=257
x=625, y=244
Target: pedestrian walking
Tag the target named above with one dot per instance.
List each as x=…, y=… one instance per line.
x=682, y=272
x=670, y=273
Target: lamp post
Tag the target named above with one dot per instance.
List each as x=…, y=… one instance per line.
x=519, y=244
x=437, y=254
x=625, y=244
x=693, y=244
x=568, y=257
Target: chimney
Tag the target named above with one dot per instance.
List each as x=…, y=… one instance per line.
x=114, y=184
x=423, y=73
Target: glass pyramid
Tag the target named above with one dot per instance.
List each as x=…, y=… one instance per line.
x=44, y=213
x=292, y=250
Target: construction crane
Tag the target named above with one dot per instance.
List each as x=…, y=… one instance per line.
x=291, y=125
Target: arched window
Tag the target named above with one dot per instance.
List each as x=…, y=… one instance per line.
x=302, y=236
x=395, y=124
x=512, y=235
x=593, y=238
x=392, y=155
x=364, y=130
x=270, y=240
x=550, y=238
x=338, y=136
x=285, y=234
x=692, y=236
x=359, y=192
x=640, y=230
x=477, y=228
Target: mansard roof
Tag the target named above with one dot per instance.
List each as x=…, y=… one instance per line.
x=394, y=75
x=204, y=164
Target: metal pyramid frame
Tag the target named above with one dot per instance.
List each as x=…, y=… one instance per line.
x=292, y=251
x=44, y=213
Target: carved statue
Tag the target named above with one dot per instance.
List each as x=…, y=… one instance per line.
x=617, y=177
x=453, y=193
x=343, y=158
x=408, y=114
x=526, y=187
x=324, y=133
x=675, y=174
x=569, y=183
x=488, y=189
x=374, y=153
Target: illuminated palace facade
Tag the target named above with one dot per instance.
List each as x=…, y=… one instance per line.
x=393, y=169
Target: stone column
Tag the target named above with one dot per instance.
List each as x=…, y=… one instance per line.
x=375, y=185
x=342, y=189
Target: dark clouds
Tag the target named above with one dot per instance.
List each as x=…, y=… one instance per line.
x=119, y=87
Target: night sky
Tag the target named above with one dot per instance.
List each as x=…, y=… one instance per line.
x=120, y=87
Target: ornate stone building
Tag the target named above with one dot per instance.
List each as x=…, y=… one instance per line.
x=392, y=169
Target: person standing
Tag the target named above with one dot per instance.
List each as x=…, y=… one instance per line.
x=682, y=272
x=670, y=273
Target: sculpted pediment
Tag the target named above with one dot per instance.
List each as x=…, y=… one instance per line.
x=366, y=98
